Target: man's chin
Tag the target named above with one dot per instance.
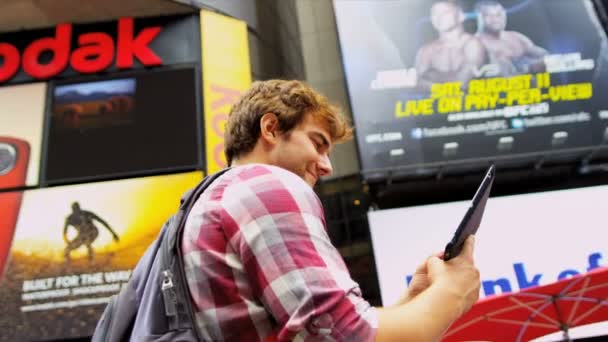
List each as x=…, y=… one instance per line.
x=310, y=179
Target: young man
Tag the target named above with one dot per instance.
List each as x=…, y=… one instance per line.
x=259, y=262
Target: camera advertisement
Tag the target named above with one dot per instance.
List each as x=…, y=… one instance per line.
x=75, y=246
x=21, y=115
x=435, y=82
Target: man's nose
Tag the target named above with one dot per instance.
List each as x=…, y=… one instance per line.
x=324, y=166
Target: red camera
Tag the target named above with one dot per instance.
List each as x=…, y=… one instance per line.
x=10, y=202
x=14, y=157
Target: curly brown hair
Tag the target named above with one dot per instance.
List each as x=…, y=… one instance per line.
x=290, y=101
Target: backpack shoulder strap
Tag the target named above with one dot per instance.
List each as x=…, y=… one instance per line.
x=187, y=202
x=174, y=285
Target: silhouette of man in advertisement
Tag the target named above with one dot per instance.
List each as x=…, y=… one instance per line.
x=455, y=54
x=87, y=231
x=512, y=51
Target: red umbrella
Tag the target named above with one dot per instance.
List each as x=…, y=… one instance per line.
x=536, y=311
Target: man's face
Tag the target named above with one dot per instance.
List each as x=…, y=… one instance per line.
x=445, y=16
x=494, y=18
x=305, y=150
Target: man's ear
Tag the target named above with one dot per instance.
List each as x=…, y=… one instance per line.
x=269, y=127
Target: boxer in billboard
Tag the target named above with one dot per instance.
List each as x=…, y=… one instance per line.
x=82, y=221
x=512, y=51
x=455, y=55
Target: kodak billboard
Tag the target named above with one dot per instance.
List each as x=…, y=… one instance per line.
x=68, y=49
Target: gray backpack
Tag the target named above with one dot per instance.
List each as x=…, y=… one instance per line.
x=155, y=305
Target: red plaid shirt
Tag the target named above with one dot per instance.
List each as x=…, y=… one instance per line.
x=260, y=265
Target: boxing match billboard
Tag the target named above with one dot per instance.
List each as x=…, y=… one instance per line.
x=65, y=250
x=443, y=82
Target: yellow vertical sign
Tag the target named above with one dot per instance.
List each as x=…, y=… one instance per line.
x=226, y=75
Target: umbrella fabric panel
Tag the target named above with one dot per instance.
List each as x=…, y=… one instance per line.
x=536, y=311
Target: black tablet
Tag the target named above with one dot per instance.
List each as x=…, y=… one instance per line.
x=472, y=218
